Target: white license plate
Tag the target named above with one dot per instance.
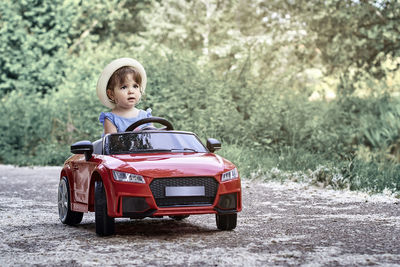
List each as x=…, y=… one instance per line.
x=184, y=191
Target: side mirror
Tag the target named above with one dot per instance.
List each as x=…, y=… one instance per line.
x=213, y=144
x=83, y=147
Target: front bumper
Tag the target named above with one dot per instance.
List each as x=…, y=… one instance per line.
x=146, y=200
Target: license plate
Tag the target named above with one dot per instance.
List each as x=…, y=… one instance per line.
x=184, y=191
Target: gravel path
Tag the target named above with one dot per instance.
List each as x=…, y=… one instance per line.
x=281, y=224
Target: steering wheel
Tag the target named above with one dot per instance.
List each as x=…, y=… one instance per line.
x=167, y=124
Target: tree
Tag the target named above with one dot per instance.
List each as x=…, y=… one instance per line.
x=37, y=37
x=280, y=40
x=34, y=36
x=233, y=36
x=345, y=35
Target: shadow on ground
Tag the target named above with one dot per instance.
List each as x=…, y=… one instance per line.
x=154, y=228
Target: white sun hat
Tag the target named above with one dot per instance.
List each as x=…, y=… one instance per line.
x=108, y=72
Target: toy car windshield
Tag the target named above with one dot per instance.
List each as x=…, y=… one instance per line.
x=157, y=141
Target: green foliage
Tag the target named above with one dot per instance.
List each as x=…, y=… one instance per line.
x=38, y=38
x=346, y=34
x=230, y=36
x=100, y=21
x=251, y=162
x=374, y=176
x=191, y=98
x=347, y=37
x=380, y=124
x=27, y=131
x=34, y=36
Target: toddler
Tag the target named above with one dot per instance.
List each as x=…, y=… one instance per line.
x=120, y=88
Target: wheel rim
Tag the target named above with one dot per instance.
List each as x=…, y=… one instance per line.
x=62, y=200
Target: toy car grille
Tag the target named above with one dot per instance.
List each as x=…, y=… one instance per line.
x=158, y=188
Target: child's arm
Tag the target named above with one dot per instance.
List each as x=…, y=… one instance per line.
x=109, y=127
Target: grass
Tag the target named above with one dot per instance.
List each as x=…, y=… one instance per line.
x=302, y=166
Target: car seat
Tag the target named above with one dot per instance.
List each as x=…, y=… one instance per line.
x=98, y=146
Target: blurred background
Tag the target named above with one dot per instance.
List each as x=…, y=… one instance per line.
x=296, y=89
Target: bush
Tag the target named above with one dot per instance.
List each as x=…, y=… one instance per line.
x=34, y=38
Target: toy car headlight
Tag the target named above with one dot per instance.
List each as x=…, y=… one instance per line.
x=128, y=177
x=230, y=175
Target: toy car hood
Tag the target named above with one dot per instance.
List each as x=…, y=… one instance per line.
x=171, y=164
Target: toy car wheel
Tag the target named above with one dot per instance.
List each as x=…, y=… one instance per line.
x=105, y=225
x=179, y=217
x=226, y=221
x=66, y=215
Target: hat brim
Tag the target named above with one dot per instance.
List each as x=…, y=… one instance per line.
x=108, y=72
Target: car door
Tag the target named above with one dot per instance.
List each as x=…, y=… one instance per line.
x=82, y=171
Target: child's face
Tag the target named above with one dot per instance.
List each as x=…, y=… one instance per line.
x=127, y=94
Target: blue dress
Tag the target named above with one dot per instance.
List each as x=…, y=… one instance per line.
x=122, y=123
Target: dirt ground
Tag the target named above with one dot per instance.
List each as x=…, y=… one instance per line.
x=287, y=224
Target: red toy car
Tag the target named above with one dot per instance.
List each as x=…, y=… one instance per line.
x=148, y=173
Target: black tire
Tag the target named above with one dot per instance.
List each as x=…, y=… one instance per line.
x=226, y=221
x=105, y=225
x=179, y=217
x=66, y=215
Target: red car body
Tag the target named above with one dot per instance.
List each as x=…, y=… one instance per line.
x=164, y=173
x=82, y=174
